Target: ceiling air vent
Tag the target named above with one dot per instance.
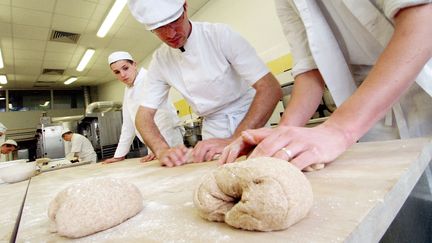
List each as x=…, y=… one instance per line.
x=51, y=71
x=66, y=37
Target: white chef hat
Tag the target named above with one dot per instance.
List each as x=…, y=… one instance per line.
x=119, y=55
x=2, y=128
x=156, y=13
x=11, y=142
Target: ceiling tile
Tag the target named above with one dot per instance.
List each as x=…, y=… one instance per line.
x=6, y=29
x=25, y=44
x=30, y=32
x=53, y=46
x=57, y=56
x=69, y=24
x=5, y=2
x=31, y=17
x=79, y=8
x=5, y=14
x=56, y=64
x=43, y=5
x=28, y=54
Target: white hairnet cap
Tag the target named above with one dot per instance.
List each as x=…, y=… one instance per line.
x=156, y=13
x=119, y=55
x=11, y=142
x=2, y=128
x=65, y=131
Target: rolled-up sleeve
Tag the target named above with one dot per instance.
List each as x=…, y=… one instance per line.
x=391, y=7
x=295, y=33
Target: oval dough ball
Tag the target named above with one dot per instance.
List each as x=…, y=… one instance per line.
x=262, y=194
x=92, y=206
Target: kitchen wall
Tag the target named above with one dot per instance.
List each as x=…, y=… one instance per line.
x=30, y=119
x=255, y=20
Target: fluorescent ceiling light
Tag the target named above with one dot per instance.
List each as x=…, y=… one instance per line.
x=1, y=60
x=2, y=98
x=85, y=59
x=3, y=79
x=70, y=80
x=111, y=18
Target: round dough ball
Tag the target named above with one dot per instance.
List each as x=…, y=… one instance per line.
x=92, y=206
x=262, y=194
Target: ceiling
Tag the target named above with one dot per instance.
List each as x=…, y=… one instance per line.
x=26, y=27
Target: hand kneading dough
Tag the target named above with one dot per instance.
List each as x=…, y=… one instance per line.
x=261, y=194
x=92, y=206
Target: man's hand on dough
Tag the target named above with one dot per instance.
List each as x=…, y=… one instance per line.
x=113, y=160
x=206, y=150
x=173, y=156
x=147, y=158
x=241, y=146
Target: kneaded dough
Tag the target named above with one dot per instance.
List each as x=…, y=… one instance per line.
x=261, y=194
x=92, y=206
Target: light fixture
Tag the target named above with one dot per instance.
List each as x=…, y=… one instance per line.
x=70, y=80
x=2, y=98
x=1, y=60
x=85, y=59
x=3, y=79
x=111, y=18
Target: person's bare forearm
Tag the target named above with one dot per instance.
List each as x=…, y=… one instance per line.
x=305, y=98
x=266, y=98
x=145, y=124
x=396, y=69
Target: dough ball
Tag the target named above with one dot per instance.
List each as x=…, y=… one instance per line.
x=262, y=194
x=92, y=206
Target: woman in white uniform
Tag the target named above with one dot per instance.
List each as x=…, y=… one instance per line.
x=125, y=69
x=80, y=147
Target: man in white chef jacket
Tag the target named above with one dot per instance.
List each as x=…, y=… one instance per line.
x=375, y=58
x=125, y=69
x=6, y=149
x=79, y=146
x=214, y=68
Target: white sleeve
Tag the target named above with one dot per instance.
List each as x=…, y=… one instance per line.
x=392, y=7
x=76, y=143
x=241, y=55
x=295, y=32
x=127, y=133
x=156, y=88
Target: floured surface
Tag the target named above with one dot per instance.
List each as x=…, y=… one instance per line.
x=351, y=199
x=11, y=199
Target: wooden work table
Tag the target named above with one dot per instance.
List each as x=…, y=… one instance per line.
x=355, y=199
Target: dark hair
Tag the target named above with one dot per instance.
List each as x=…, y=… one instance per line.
x=10, y=145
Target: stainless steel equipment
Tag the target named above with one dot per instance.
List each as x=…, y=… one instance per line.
x=192, y=132
x=103, y=130
x=52, y=142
